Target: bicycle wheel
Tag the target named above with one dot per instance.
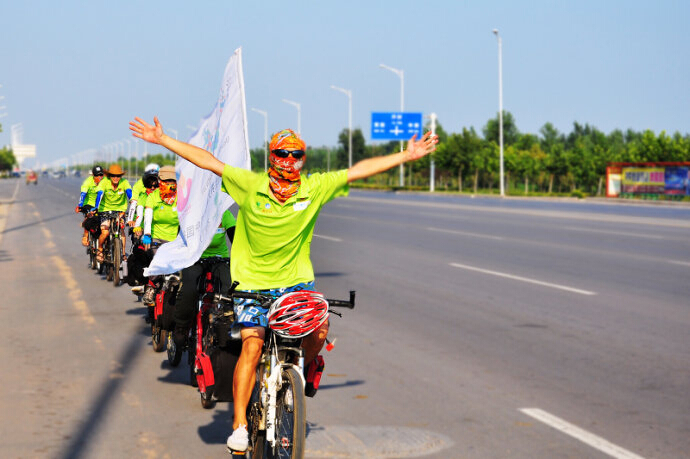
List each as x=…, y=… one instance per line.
x=174, y=353
x=291, y=418
x=257, y=438
x=158, y=338
x=117, y=260
x=93, y=264
x=191, y=357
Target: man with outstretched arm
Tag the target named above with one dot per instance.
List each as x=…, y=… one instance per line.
x=270, y=252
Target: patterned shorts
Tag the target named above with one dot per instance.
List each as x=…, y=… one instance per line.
x=249, y=313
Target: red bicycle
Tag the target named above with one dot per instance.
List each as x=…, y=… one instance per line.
x=209, y=342
x=162, y=310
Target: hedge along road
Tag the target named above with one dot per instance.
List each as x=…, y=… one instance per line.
x=435, y=359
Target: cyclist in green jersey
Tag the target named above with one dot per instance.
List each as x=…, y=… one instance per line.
x=140, y=191
x=160, y=222
x=216, y=257
x=87, y=198
x=270, y=252
x=112, y=194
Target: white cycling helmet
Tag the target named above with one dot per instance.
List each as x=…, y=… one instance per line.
x=152, y=168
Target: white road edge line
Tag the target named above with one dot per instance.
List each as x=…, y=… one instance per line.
x=334, y=239
x=616, y=233
x=590, y=439
x=524, y=279
x=464, y=233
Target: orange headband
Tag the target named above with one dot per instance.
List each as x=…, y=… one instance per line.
x=287, y=139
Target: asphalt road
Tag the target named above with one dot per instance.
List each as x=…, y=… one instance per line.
x=484, y=328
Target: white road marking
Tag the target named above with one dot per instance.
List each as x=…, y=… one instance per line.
x=464, y=233
x=586, y=437
x=524, y=279
x=616, y=233
x=570, y=215
x=330, y=238
x=682, y=263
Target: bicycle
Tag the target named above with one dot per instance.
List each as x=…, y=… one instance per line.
x=208, y=335
x=93, y=227
x=112, y=248
x=164, y=301
x=277, y=408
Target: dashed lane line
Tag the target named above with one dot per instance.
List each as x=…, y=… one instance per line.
x=70, y=283
x=682, y=263
x=73, y=290
x=584, y=436
x=328, y=238
x=523, y=279
x=465, y=233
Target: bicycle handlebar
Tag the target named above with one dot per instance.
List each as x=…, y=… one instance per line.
x=265, y=299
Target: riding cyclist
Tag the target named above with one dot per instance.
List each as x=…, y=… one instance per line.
x=87, y=198
x=112, y=195
x=217, y=257
x=270, y=253
x=140, y=191
x=160, y=222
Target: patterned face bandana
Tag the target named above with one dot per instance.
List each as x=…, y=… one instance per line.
x=284, y=174
x=168, y=191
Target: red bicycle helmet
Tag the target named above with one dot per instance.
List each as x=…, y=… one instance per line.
x=296, y=314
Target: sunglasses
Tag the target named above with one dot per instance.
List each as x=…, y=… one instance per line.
x=297, y=154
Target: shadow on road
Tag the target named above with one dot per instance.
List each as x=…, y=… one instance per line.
x=5, y=256
x=330, y=274
x=79, y=440
x=357, y=382
x=178, y=374
x=43, y=220
x=217, y=431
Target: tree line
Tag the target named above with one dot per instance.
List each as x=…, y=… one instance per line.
x=549, y=162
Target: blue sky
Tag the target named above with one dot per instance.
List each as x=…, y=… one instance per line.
x=75, y=72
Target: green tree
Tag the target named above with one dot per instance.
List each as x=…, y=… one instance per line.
x=511, y=134
x=359, y=149
x=456, y=154
x=552, y=144
x=7, y=159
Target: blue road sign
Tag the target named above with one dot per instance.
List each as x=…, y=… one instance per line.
x=395, y=125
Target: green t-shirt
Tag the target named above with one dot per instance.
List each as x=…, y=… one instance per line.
x=272, y=240
x=113, y=199
x=219, y=246
x=89, y=187
x=139, y=192
x=165, y=222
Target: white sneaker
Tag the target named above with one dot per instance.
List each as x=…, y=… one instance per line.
x=239, y=440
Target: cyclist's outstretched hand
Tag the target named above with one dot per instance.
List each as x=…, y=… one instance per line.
x=422, y=147
x=145, y=131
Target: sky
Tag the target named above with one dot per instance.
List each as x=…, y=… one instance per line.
x=74, y=73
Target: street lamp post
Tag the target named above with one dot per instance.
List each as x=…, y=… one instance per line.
x=265, y=115
x=122, y=150
x=500, y=110
x=136, y=158
x=348, y=93
x=129, y=155
x=401, y=75
x=299, y=114
x=432, y=172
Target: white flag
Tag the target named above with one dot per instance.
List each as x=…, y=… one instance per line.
x=200, y=202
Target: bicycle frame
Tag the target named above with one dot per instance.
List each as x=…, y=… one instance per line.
x=272, y=363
